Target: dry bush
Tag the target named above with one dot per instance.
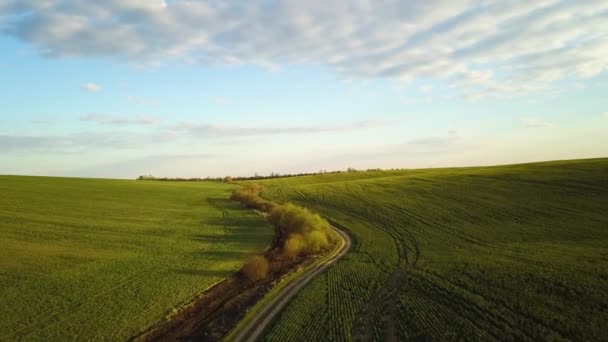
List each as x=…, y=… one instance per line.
x=316, y=241
x=302, y=231
x=293, y=246
x=256, y=268
x=249, y=197
x=312, y=229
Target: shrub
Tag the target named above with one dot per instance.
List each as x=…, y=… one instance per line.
x=249, y=197
x=316, y=241
x=293, y=246
x=267, y=206
x=301, y=230
x=256, y=268
x=290, y=219
x=308, y=231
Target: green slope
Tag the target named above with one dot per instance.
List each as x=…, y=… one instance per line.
x=511, y=252
x=103, y=259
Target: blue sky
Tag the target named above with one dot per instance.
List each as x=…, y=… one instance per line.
x=210, y=88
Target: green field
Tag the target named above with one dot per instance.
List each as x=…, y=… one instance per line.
x=84, y=259
x=514, y=252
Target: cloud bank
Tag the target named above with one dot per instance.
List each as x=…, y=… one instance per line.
x=211, y=131
x=81, y=142
x=121, y=138
x=481, y=47
x=104, y=119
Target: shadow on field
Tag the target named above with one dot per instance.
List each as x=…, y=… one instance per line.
x=235, y=222
x=204, y=273
x=233, y=236
x=211, y=238
x=220, y=203
x=223, y=255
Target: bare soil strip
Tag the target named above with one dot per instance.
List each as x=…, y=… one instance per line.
x=210, y=316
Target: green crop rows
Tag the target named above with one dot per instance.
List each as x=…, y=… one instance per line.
x=84, y=259
x=514, y=252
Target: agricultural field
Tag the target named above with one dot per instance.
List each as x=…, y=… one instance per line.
x=514, y=252
x=86, y=259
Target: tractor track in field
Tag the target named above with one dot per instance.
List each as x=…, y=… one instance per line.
x=383, y=303
x=256, y=327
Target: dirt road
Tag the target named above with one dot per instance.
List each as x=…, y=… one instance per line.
x=254, y=328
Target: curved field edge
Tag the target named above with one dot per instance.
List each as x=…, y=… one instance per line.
x=515, y=252
x=105, y=259
x=283, y=284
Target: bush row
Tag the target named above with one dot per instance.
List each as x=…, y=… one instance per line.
x=249, y=196
x=299, y=231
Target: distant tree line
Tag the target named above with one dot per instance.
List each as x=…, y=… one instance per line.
x=152, y=178
x=255, y=177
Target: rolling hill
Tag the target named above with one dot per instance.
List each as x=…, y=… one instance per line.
x=508, y=252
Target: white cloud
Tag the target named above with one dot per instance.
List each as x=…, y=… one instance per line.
x=121, y=139
x=427, y=88
x=104, y=119
x=485, y=48
x=81, y=142
x=90, y=87
x=535, y=123
x=205, y=130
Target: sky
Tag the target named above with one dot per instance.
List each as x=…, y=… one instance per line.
x=185, y=88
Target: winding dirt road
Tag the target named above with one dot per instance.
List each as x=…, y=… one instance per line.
x=254, y=329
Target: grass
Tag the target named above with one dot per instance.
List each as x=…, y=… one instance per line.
x=510, y=252
x=105, y=259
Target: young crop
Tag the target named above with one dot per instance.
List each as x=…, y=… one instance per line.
x=513, y=252
x=87, y=259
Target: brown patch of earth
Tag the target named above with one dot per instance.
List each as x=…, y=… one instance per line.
x=212, y=314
